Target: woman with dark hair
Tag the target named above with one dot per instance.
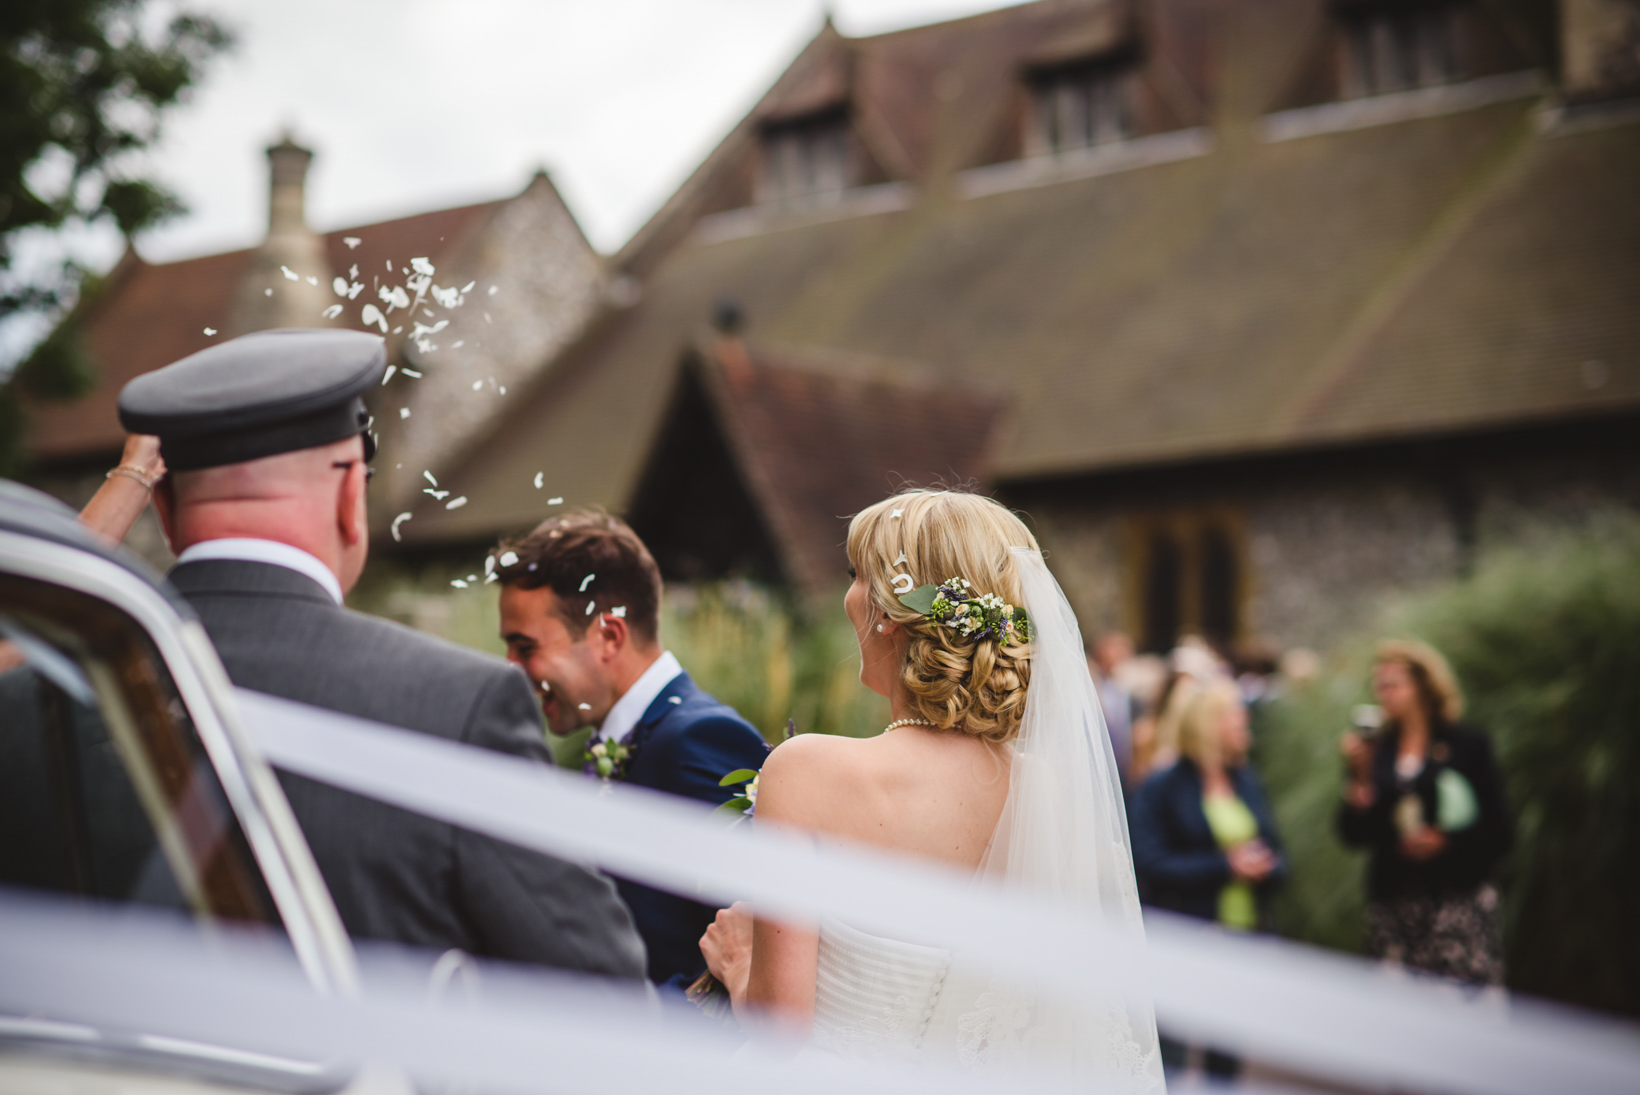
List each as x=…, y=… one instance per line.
x=1424, y=795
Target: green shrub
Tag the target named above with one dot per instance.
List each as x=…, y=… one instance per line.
x=1546, y=642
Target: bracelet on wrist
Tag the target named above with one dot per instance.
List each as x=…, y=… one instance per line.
x=135, y=473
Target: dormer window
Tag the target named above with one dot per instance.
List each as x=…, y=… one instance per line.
x=1400, y=46
x=808, y=159
x=1079, y=105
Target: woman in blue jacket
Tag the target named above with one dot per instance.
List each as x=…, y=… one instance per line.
x=1204, y=841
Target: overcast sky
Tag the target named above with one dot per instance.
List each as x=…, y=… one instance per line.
x=413, y=105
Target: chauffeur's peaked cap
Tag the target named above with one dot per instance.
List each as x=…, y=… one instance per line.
x=258, y=395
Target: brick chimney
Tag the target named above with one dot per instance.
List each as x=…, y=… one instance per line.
x=1600, y=49
x=268, y=295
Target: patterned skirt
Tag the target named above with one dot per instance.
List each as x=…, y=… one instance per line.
x=1454, y=935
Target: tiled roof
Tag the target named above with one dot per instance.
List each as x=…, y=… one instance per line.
x=1457, y=268
x=814, y=447
x=152, y=314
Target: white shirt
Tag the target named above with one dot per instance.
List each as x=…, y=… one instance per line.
x=624, y=715
x=250, y=550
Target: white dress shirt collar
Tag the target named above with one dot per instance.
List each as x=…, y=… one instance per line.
x=623, y=717
x=250, y=550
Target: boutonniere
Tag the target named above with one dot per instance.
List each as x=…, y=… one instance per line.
x=608, y=760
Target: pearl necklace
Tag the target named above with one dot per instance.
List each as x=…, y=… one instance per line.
x=906, y=722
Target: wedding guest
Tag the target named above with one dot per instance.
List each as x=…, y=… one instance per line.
x=580, y=614
x=1425, y=797
x=1112, y=651
x=266, y=444
x=1204, y=839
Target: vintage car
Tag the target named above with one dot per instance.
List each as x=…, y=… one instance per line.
x=125, y=780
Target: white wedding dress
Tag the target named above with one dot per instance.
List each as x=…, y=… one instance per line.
x=1062, y=834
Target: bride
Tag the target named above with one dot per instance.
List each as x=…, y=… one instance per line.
x=996, y=762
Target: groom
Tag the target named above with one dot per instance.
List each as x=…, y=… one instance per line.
x=580, y=614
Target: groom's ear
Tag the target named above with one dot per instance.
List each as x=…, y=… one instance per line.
x=611, y=634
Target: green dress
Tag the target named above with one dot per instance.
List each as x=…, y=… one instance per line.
x=1233, y=823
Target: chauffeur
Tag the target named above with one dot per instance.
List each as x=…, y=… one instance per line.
x=267, y=444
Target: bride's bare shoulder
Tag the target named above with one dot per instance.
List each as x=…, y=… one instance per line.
x=804, y=772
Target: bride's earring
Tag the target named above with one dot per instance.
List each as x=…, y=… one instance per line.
x=879, y=627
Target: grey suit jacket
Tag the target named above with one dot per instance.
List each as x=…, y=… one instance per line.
x=397, y=875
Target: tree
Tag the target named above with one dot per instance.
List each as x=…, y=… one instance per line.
x=85, y=84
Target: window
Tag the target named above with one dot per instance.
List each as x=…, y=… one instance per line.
x=1186, y=579
x=808, y=159
x=1397, y=48
x=1079, y=106
x=105, y=790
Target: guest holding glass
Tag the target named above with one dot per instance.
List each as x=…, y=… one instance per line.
x=1425, y=797
x=1204, y=840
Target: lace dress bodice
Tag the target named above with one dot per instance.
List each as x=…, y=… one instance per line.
x=873, y=996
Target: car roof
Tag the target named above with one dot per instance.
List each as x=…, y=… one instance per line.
x=36, y=514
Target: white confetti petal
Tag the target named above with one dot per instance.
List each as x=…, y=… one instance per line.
x=477, y=384
x=458, y=344
x=371, y=315
x=421, y=266
x=411, y=372
x=489, y=564
x=440, y=495
x=468, y=287
x=339, y=286
x=456, y=503
x=909, y=585
x=290, y=275
x=900, y=560
x=494, y=289
x=509, y=558
x=312, y=280
x=675, y=699
x=332, y=312
x=404, y=412
x=590, y=606
x=472, y=577
x=895, y=514
x=586, y=582
x=618, y=610
x=430, y=478
x=353, y=271
x=538, y=478
x=389, y=266
x=351, y=241
x=267, y=292
x=503, y=387
x=492, y=578
x=486, y=315
x=210, y=331
x=555, y=501
x=396, y=330
x=458, y=583
x=585, y=706
x=391, y=369
x=397, y=521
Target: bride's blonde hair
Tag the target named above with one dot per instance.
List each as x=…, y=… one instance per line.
x=976, y=687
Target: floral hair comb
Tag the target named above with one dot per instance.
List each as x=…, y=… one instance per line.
x=981, y=616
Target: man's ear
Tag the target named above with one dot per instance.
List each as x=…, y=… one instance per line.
x=165, y=507
x=613, y=634
x=350, y=512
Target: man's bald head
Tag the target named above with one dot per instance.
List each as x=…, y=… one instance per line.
x=313, y=499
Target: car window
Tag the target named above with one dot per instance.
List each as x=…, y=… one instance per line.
x=105, y=789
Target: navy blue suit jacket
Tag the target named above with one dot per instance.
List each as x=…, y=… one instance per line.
x=684, y=744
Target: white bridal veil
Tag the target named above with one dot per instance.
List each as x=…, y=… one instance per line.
x=1063, y=832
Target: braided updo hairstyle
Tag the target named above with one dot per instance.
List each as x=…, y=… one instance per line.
x=956, y=683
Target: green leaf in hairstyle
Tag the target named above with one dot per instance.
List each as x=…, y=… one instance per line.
x=739, y=775
x=921, y=599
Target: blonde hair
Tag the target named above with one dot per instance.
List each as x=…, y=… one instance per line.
x=1436, y=683
x=955, y=683
x=1199, y=721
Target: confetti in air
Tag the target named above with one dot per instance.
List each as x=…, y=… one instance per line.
x=489, y=564
x=458, y=583
x=267, y=292
x=391, y=369
x=332, y=312
x=618, y=610
x=509, y=558
x=404, y=412
x=290, y=275
x=590, y=606
x=351, y=241
x=372, y=316
x=397, y=521
x=477, y=384
x=422, y=266
x=675, y=699
x=312, y=280
x=438, y=495
x=555, y=501
x=430, y=478
x=540, y=476
x=210, y=331
x=494, y=289
x=456, y=503
x=586, y=582
x=339, y=286
x=411, y=372
x=584, y=706
x=503, y=387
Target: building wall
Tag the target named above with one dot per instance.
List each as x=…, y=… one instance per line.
x=1327, y=543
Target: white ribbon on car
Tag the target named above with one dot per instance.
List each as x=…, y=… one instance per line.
x=1320, y=1013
